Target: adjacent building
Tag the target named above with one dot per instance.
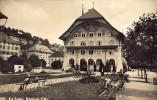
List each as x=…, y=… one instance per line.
x=92, y=40
x=42, y=51
x=8, y=46
x=57, y=55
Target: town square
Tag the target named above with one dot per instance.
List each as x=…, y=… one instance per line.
x=78, y=50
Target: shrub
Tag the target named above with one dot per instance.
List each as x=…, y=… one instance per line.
x=89, y=79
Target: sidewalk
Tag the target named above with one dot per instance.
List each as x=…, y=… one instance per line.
x=137, y=89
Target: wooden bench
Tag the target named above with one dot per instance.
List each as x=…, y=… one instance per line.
x=115, y=84
x=40, y=79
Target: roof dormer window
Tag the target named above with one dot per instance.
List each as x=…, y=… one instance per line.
x=72, y=43
x=75, y=35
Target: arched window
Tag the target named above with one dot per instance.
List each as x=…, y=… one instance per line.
x=75, y=35
x=72, y=43
x=99, y=43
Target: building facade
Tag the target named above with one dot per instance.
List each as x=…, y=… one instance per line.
x=57, y=55
x=42, y=51
x=8, y=46
x=91, y=40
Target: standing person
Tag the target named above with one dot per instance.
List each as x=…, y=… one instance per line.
x=102, y=67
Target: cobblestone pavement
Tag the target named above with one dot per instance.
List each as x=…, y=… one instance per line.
x=137, y=89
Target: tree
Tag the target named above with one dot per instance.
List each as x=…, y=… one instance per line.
x=141, y=45
x=43, y=62
x=3, y=66
x=13, y=60
x=56, y=64
x=34, y=61
x=24, y=61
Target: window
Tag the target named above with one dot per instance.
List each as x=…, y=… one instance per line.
x=83, y=34
x=72, y=43
x=0, y=46
x=83, y=52
x=8, y=53
x=3, y=52
x=91, y=34
x=75, y=35
x=111, y=52
x=90, y=52
x=15, y=53
x=99, y=43
x=3, y=46
x=16, y=48
x=72, y=52
x=12, y=47
x=91, y=43
x=107, y=33
x=83, y=43
x=99, y=34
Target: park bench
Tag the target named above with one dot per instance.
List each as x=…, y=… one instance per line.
x=115, y=84
x=39, y=79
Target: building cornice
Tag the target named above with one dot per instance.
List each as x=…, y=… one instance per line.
x=92, y=47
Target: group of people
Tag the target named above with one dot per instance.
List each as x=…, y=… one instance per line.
x=107, y=80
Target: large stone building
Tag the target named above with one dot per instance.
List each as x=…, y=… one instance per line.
x=91, y=39
x=42, y=51
x=8, y=46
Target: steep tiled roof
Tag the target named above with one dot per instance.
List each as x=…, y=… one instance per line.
x=92, y=13
x=7, y=39
x=92, y=16
x=58, y=54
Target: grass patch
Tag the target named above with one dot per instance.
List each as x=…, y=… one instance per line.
x=18, y=78
x=73, y=90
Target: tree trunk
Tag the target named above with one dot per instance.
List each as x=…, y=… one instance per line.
x=145, y=74
x=141, y=73
x=138, y=72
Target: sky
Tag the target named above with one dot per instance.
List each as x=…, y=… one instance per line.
x=49, y=19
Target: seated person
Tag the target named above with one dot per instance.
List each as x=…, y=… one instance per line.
x=108, y=81
x=121, y=74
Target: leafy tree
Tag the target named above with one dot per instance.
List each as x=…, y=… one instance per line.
x=13, y=60
x=3, y=66
x=24, y=61
x=34, y=61
x=43, y=62
x=141, y=46
x=56, y=64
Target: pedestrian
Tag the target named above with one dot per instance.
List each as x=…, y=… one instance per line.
x=102, y=67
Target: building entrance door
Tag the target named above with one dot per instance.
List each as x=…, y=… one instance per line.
x=83, y=65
